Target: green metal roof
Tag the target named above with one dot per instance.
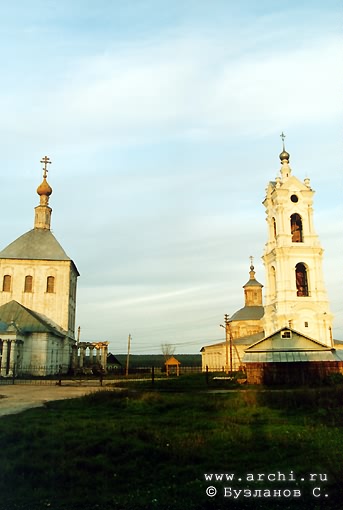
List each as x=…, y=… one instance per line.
x=275, y=349
x=289, y=357
x=26, y=320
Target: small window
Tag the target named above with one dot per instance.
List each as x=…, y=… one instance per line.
x=306, y=324
x=28, y=284
x=50, y=284
x=294, y=199
x=6, y=284
x=286, y=334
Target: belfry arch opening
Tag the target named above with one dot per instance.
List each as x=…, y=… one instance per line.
x=296, y=228
x=301, y=279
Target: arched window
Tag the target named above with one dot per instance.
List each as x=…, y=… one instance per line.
x=296, y=228
x=50, y=284
x=6, y=284
x=28, y=284
x=301, y=279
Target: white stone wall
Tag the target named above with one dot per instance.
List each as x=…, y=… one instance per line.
x=59, y=305
x=214, y=357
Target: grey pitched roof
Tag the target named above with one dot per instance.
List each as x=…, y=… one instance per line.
x=26, y=320
x=37, y=244
x=249, y=339
x=242, y=340
x=248, y=313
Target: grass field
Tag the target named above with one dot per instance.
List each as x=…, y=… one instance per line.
x=144, y=448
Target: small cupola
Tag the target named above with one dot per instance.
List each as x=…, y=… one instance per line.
x=253, y=288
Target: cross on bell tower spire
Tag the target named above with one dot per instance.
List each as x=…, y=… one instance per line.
x=283, y=136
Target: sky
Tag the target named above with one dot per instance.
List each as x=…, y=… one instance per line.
x=162, y=121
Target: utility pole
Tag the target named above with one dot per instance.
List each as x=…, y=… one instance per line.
x=228, y=343
x=226, y=321
x=128, y=355
x=229, y=334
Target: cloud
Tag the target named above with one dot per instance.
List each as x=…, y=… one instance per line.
x=193, y=87
x=176, y=92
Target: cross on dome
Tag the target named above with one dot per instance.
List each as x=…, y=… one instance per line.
x=283, y=136
x=284, y=156
x=44, y=190
x=46, y=161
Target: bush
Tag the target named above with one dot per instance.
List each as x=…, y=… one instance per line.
x=333, y=379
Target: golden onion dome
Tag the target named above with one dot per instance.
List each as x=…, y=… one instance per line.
x=284, y=155
x=44, y=188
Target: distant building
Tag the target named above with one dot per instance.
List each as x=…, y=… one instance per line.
x=296, y=303
x=113, y=363
x=172, y=366
x=37, y=297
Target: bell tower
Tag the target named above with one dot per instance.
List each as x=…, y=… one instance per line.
x=295, y=294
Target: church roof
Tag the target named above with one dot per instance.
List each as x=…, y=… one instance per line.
x=249, y=339
x=26, y=320
x=252, y=283
x=36, y=244
x=248, y=313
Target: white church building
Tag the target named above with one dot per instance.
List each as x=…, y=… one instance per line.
x=37, y=297
x=295, y=328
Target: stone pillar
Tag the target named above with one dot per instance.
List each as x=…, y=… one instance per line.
x=98, y=355
x=4, y=358
x=82, y=355
x=13, y=352
x=104, y=356
x=91, y=355
x=74, y=356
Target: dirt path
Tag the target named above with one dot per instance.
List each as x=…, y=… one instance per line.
x=17, y=398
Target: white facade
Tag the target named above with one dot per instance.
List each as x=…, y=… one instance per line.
x=295, y=294
x=35, y=272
